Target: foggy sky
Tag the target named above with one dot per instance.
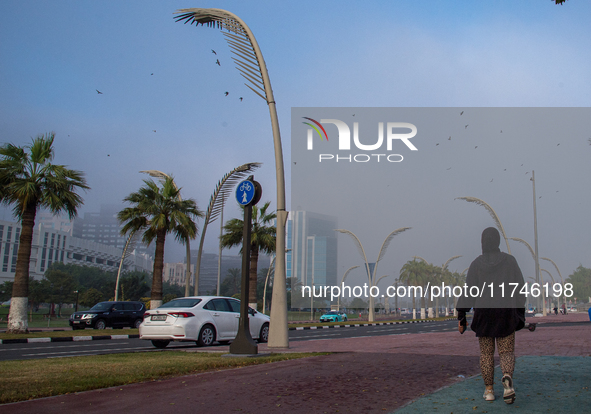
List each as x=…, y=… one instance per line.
x=163, y=105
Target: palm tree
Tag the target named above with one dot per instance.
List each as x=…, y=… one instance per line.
x=412, y=274
x=262, y=240
x=157, y=211
x=28, y=180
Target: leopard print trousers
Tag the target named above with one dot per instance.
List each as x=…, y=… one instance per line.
x=506, y=346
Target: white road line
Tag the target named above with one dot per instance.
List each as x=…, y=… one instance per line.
x=95, y=343
x=72, y=353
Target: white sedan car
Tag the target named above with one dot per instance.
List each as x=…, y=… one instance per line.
x=201, y=319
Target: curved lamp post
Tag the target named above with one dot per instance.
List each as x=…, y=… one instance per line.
x=163, y=176
x=223, y=189
x=553, y=283
x=252, y=67
x=266, y=282
x=129, y=246
x=535, y=257
x=561, y=279
x=343, y=281
x=492, y=214
x=372, y=277
x=271, y=268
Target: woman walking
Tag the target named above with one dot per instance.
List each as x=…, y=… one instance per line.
x=497, y=315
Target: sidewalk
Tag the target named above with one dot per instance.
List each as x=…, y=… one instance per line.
x=429, y=372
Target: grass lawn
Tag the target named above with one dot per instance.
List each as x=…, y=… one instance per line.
x=29, y=379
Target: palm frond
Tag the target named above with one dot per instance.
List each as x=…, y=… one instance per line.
x=531, y=251
x=388, y=240
x=239, y=39
x=225, y=187
x=449, y=260
x=357, y=242
x=491, y=212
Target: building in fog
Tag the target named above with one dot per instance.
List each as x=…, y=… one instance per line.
x=104, y=228
x=176, y=273
x=311, y=257
x=53, y=245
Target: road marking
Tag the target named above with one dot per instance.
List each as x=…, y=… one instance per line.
x=72, y=353
x=95, y=344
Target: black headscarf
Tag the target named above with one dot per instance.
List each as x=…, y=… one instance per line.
x=491, y=239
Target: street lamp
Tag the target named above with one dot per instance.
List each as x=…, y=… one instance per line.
x=252, y=67
x=561, y=279
x=342, y=282
x=381, y=254
x=163, y=176
x=535, y=257
x=216, y=207
x=492, y=214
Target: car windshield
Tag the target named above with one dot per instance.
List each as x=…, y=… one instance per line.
x=181, y=303
x=331, y=313
x=103, y=306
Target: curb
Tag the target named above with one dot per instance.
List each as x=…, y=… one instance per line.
x=302, y=328
x=103, y=337
x=67, y=339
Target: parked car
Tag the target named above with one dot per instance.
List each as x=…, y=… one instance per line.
x=333, y=316
x=113, y=314
x=201, y=319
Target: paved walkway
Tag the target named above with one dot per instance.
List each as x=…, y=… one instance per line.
x=430, y=372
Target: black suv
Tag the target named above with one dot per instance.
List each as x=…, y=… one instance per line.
x=114, y=314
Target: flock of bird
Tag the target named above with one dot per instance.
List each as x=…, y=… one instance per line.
x=217, y=62
x=475, y=147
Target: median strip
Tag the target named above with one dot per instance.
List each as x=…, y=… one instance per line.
x=66, y=339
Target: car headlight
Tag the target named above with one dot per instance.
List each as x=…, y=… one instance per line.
x=88, y=316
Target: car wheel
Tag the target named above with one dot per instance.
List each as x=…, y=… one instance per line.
x=100, y=324
x=160, y=343
x=264, y=334
x=206, y=336
x=137, y=323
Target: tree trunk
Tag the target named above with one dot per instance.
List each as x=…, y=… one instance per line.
x=156, y=296
x=20, y=289
x=252, y=276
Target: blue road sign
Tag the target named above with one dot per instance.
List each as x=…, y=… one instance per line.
x=245, y=192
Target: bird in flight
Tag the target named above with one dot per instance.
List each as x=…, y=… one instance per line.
x=466, y=127
x=449, y=168
x=154, y=130
x=226, y=94
x=241, y=99
x=461, y=113
x=491, y=180
x=99, y=92
x=437, y=144
x=476, y=147
x=217, y=62
x=449, y=139
x=213, y=51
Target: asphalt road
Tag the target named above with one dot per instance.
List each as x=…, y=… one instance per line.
x=40, y=350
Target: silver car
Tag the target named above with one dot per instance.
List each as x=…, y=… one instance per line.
x=200, y=319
